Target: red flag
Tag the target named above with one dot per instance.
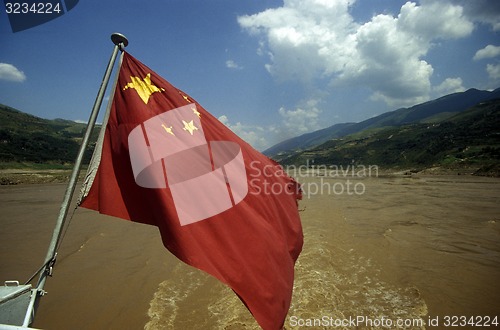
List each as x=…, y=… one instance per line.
x=220, y=205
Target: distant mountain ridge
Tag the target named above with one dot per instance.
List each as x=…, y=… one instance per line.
x=467, y=142
x=435, y=110
x=27, y=138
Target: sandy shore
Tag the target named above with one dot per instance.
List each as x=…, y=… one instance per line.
x=32, y=176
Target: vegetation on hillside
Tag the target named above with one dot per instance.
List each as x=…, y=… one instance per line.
x=428, y=112
x=468, y=140
x=28, y=139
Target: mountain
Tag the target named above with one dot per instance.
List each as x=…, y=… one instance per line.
x=27, y=138
x=428, y=112
x=307, y=140
x=466, y=140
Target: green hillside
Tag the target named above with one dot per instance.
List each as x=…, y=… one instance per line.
x=428, y=112
x=28, y=139
x=468, y=140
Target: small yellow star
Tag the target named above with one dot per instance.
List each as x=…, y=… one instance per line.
x=196, y=112
x=189, y=127
x=185, y=97
x=143, y=87
x=168, y=129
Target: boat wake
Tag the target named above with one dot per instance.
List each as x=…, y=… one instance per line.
x=329, y=284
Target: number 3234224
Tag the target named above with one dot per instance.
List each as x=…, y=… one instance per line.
x=473, y=321
x=33, y=8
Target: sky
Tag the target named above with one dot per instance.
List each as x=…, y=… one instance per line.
x=268, y=69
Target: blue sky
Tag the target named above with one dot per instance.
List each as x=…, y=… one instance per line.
x=268, y=69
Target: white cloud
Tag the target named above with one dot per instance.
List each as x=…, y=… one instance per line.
x=254, y=135
x=230, y=64
x=315, y=39
x=11, y=73
x=434, y=19
x=489, y=51
x=304, y=38
x=299, y=121
x=293, y=123
x=493, y=71
x=450, y=85
x=223, y=119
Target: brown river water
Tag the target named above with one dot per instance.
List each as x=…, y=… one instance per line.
x=420, y=252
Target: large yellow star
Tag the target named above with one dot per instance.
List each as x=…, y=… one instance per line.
x=189, y=127
x=143, y=87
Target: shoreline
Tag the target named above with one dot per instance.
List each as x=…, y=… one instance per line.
x=18, y=176
x=10, y=177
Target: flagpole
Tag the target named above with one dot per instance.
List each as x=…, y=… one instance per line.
x=120, y=42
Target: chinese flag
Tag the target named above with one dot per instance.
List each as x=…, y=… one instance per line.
x=220, y=205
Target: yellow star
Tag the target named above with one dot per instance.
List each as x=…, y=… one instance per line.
x=189, y=127
x=185, y=97
x=168, y=129
x=196, y=112
x=143, y=87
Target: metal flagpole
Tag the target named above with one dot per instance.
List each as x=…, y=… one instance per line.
x=120, y=42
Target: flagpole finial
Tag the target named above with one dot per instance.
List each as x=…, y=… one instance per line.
x=120, y=40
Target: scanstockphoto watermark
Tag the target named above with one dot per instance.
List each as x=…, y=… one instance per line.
x=313, y=179
x=357, y=322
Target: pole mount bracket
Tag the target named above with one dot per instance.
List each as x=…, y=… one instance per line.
x=120, y=40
